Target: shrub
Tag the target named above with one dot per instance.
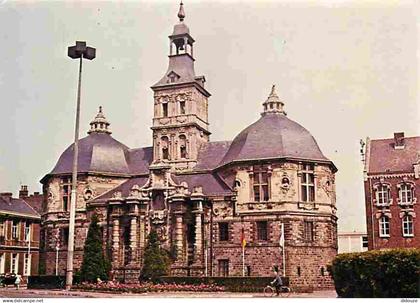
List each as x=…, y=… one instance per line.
x=377, y=274
x=94, y=265
x=156, y=260
x=46, y=282
x=232, y=284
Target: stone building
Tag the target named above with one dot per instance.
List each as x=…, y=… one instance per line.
x=200, y=196
x=391, y=181
x=19, y=236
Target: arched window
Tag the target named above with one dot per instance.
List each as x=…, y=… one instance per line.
x=183, y=146
x=384, y=226
x=407, y=226
x=165, y=148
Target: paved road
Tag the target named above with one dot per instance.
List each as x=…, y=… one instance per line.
x=33, y=293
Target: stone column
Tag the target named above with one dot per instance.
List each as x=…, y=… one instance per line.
x=141, y=238
x=115, y=240
x=133, y=239
x=198, y=245
x=179, y=237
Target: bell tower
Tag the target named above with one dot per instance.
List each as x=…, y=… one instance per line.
x=180, y=120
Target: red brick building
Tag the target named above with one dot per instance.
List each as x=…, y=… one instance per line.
x=19, y=236
x=392, y=169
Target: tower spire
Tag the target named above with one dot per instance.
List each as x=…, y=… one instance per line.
x=181, y=12
x=273, y=104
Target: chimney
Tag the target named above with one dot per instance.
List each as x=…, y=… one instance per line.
x=7, y=197
x=23, y=193
x=399, y=140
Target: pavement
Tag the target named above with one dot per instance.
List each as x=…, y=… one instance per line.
x=41, y=293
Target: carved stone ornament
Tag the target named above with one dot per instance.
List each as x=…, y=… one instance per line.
x=158, y=216
x=50, y=195
x=197, y=190
x=88, y=194
x=117, y=195
x=161, y=233
x=286, y=183
x=135, y=191
x=221, y=211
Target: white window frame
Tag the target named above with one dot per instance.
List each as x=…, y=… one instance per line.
x=380, y=199
x=15, y=268
x=308, y=172
x=27, y=264
x=27, y=233
x=15, y=230
x=407, y=226
x=384, y=227
x=2, y=262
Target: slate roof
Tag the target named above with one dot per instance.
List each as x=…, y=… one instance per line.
x=211, y=184
x=273, y=136
x=384, y=158
x=124, y=188
x=100, y=152
x=183, y=66
x=17, y=206
x=210, y=154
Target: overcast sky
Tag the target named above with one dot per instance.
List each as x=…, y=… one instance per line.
x=344, y=69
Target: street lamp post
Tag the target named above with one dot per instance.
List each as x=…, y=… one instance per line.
x=79, y=51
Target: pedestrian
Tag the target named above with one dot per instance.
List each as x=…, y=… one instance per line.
x=278, y=281
x=17, y=281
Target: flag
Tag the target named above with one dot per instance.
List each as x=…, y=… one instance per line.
x=281, y=240
x=243, y=241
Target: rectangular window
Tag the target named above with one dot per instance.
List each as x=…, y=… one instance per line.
x=224, y=268
x=165, y=109
x=308, y=231
x=2, y=262
x=64, y=236
x=15, y=230
x=384, y=227
x=2, y=233
x=406, y=194
x=223, y=232
x=27, y=232
x=27, y=265
x=308, y=183
x=66, y=193
x=382, y=195
x=407, y=225
x=182, y=107
x=261, y=184
x=262, y=233
x=14, y=264
x=364, y=241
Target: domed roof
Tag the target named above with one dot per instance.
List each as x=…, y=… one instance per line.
x=98, y=152
x=273, y=136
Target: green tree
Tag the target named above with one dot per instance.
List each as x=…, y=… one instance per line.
x=156, y=260
x=94, y=265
